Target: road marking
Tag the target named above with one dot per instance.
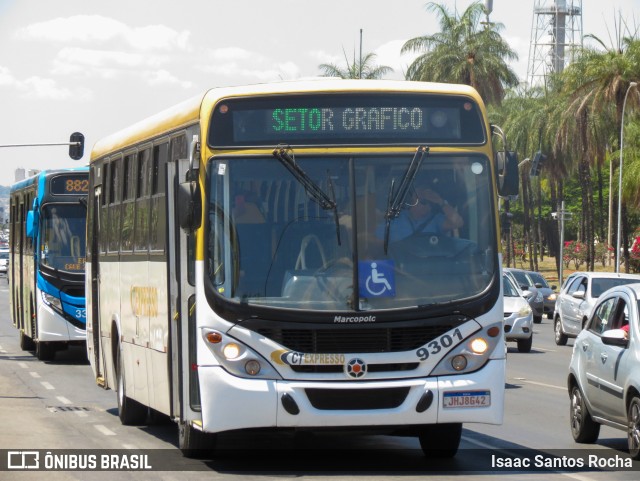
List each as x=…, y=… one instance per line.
x=543, y=349
x=82, y=414
x=525, y=380
x=478, y=443
x=130, y=446
x=63, y=400
x=47, y=385
x=34, y=374
x=23, y=365
x=104, y=430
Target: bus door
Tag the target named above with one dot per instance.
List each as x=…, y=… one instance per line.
x=185, y=399
x=93, y=303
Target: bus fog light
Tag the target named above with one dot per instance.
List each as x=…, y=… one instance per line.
x=231, y=350
x=252, y=367
x=459, y=362
x=479, y=345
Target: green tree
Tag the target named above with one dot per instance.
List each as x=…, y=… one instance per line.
x=464, y=51
x=596, y=84
x=365, y=69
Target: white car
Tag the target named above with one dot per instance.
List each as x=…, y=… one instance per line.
x=604, y=380
x=518, y=316
x=4, y=261
x=577, y=297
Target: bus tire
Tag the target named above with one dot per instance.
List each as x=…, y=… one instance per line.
x=130, y=412
x=45, y=351
x=193, y=443
x=26, y=343
x=440, y=440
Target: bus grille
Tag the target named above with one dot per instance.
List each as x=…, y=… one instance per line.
x=75, y=291
x=338, y=368
x=339, y=341
x=352, y=399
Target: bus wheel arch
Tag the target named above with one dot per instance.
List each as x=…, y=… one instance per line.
x=130, y=411
x=194, y=443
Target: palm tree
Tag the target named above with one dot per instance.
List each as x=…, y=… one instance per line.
x=596, y=84
x=364, y=68
x=464, y=51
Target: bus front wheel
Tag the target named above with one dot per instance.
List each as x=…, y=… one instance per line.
x=440, y=440
x=45, y=351
x=194, y=443
x=26, y=343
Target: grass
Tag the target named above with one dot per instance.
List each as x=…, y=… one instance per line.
x=547, y=268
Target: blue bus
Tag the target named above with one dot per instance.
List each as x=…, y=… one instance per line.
x=46, y=261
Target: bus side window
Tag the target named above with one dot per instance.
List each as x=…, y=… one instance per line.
x=158, y=222
x=115, y=194
x=142, y=194
x=128, y=203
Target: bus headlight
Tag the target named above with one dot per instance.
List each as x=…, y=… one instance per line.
x=236, y=357
x=471, y=354
x=479, y=345
x=52, y=301
x=231, y=351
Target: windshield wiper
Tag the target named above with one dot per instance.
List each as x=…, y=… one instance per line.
x=395, y=201
x=310, y=187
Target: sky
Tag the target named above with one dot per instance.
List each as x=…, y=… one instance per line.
x=98, y=66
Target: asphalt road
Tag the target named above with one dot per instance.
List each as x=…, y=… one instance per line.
x=57, y=406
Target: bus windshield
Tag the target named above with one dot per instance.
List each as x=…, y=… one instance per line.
x=63, y=239
x=270, y=242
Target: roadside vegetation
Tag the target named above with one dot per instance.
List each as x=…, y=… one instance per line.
x=574, y=121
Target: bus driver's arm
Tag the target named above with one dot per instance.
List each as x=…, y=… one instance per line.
x=453, y=220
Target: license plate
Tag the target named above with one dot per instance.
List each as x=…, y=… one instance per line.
x=467, y=399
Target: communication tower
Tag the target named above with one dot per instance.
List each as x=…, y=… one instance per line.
x=556, y=34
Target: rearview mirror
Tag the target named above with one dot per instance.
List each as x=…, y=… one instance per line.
x=615, y=337
x=507, y=168
x=189, y=205
x=30, y=226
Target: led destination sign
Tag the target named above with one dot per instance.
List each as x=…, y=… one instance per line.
x=379, y=119
x=346, y=119
x=70, y=184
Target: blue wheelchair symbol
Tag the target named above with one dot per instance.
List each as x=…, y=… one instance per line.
x=376, y=278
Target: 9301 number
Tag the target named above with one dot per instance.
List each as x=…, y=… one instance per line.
x=443, y=342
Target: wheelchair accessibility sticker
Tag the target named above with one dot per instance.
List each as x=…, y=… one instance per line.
x=377, y=278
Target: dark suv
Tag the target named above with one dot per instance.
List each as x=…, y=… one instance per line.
x=547, y=291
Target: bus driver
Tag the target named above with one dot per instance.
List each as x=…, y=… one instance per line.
x=427, y=212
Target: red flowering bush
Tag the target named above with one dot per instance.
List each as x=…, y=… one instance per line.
x=576, y=252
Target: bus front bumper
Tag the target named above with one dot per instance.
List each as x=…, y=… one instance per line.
x=52, y=327
x=229, y=402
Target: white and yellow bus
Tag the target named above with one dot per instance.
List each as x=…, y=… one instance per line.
x=246, y=265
